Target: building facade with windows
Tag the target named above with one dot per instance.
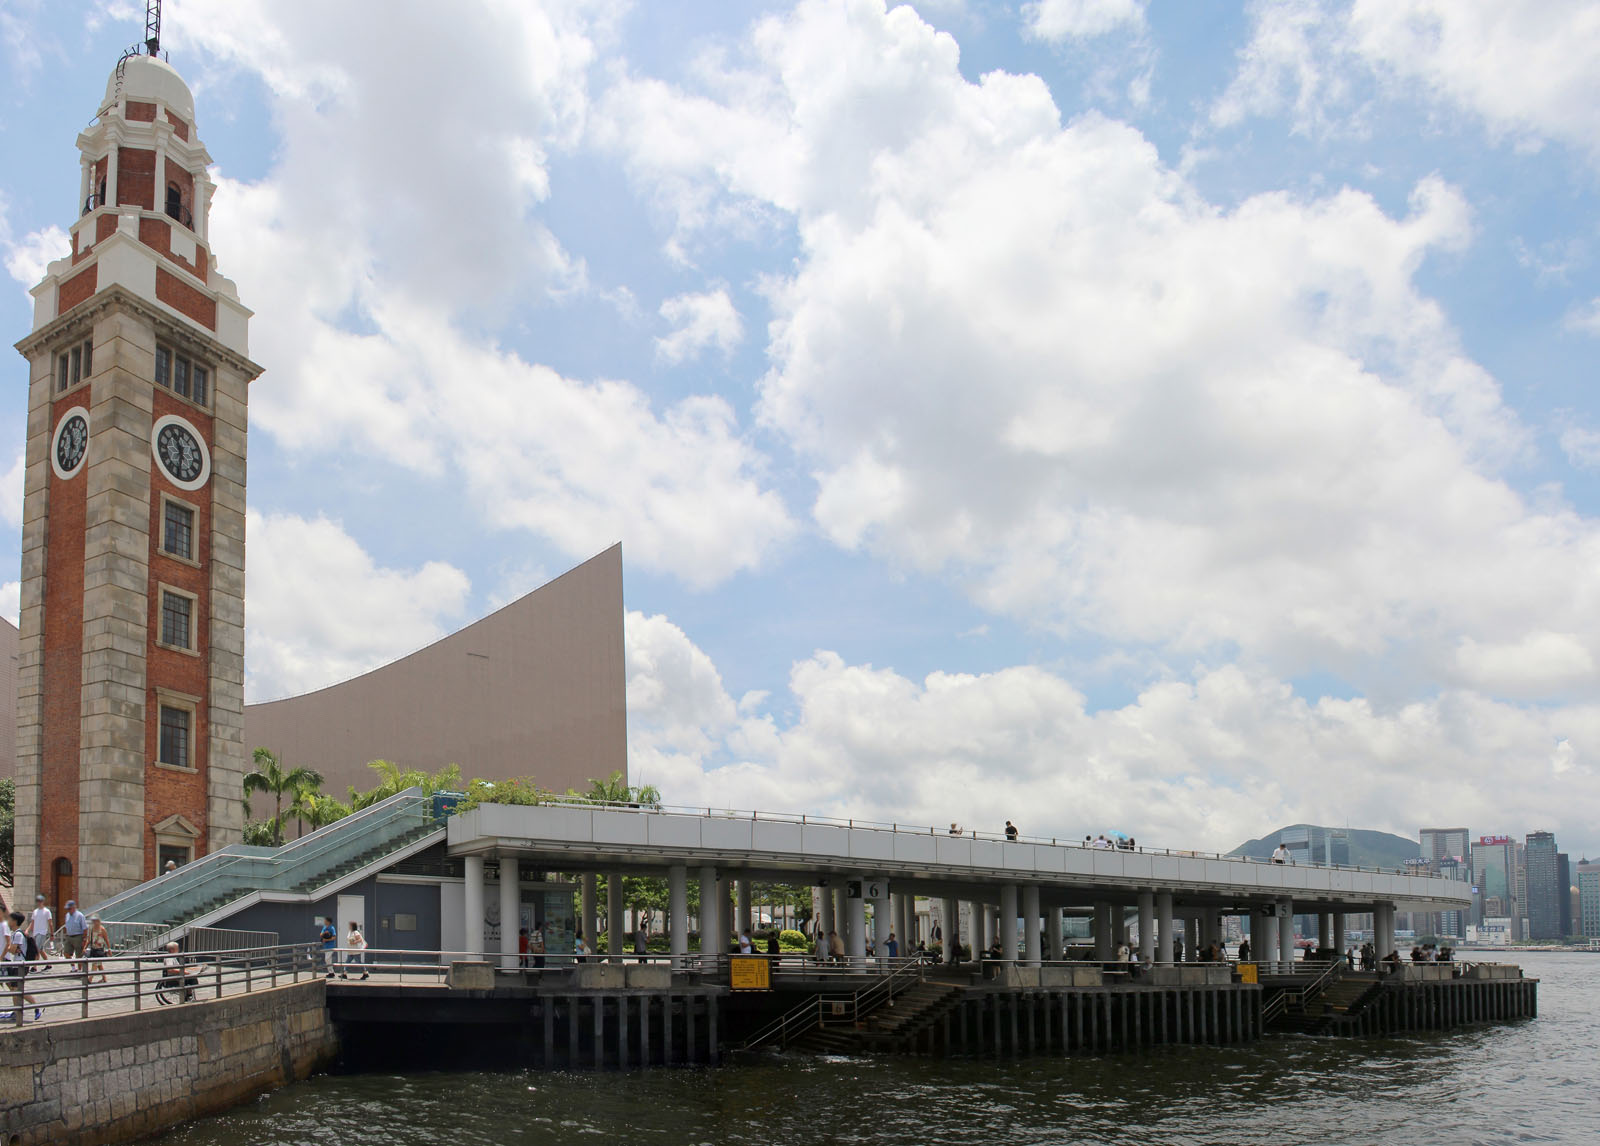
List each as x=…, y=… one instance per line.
x=1544, y=886
x=1588, y=877
x=130, y=668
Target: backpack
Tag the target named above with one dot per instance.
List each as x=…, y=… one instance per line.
x=31, y=950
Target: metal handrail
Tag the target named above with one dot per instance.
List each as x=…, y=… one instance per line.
x=966, y=833
x=136, y=979
x=297, y=853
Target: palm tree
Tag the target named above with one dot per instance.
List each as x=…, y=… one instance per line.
x=615, y=789
x=316, y=810
x=269, y=776
x=393, y=779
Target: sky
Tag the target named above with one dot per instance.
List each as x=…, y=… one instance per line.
x=1173, y=418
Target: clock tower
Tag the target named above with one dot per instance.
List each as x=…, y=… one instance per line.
x=130, y=697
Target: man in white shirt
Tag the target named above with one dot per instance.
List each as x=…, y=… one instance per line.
x=43, y=925
x=1281, y=855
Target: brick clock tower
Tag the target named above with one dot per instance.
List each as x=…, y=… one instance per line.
x=130, y=696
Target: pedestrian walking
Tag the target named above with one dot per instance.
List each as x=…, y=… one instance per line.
x=355, y=951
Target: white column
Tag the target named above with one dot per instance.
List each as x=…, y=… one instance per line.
x=1105, y=947
x=1030, y=924
x=112, y=159
x=510, y=912
x=1383, y=925
x=161, y=177
x=710, y=917
x=614, y=910
x=856, y=911
x=1338, y=932
x=1286, y=931
x=1164, y=927
x=1147, y=927
x=1008, y=922
x=1192, y=947
x=591, y=911
x=472, y=903
x=1054, y=934
x=202, y=205
x=882, y=920
x=678, y=909
x=983, y=933
x=841, y=914
x=84, y=180
x=950, y=926
x=745, y=913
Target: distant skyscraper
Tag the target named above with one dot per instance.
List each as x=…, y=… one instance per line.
x=1589, y=899
x=1544, y=887
x=1494, y=874
x=1440, y=844
x=1308, y=844
x=1564, y=890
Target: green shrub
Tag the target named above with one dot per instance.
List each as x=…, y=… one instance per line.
x=788, y=937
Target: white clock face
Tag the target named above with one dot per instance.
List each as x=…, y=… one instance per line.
x=70, y=443
x=181, y=452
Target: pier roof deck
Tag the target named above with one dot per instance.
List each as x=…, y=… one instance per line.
x=797, y=849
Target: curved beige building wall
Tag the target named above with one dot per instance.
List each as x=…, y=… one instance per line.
x=536, y=689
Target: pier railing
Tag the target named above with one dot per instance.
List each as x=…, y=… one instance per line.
x=114, y=983
x=963, y=833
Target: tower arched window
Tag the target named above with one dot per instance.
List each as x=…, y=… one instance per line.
x=175, y=208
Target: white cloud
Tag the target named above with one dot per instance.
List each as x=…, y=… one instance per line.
x=1582, y=446
x=322, y=611
x=372, y=318
x=1529, y=70
x=1537, y=665
x=1584, y=318
x=1204, y=762
x=699, y=321
x=1030, y=356
x=27, y=258
x=1291, y=61
x=11, y=491
x=1081, y=19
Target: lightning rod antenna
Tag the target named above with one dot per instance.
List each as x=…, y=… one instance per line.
x=152, y=27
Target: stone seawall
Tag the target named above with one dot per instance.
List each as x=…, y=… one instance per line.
x=105, y=1080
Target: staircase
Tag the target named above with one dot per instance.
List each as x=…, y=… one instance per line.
x=891, y=1027
x=1315, y=1007
x=303, y=869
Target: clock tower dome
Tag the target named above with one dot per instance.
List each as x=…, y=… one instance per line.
x=130, y=698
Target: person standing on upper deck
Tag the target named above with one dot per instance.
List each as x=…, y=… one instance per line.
x=1281, y=855
x=1011, y=831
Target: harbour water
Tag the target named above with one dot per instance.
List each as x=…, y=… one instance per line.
x=1532, y=1081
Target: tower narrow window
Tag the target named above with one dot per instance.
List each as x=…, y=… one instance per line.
x=178, y=535
x=174, y=747
x=176, y=611
x=181, y=375
x=175, y=204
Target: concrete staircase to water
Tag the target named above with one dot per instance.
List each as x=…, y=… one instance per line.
x=891, y=1027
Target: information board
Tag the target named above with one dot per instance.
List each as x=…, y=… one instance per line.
x=749, y=973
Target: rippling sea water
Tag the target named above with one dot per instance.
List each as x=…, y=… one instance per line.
x=1533, y=1081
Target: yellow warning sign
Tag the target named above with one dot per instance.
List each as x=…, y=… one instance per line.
x=749, y=973
x=1247, y=973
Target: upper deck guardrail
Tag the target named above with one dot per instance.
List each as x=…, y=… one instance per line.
x=965, y=833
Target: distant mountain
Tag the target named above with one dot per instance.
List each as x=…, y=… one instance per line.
x=1367, y=849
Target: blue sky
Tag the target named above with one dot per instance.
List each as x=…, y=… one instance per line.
x=1171, y=418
